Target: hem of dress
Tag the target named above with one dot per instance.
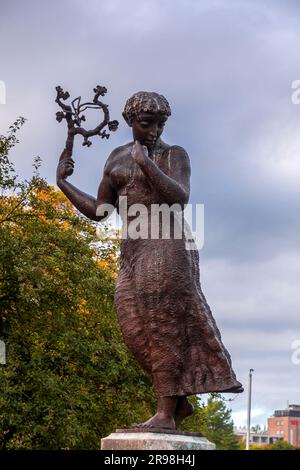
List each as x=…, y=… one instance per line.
x=231, y=387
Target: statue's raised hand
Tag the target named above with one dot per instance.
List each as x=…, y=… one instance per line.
x=139, y=153
x=65, y=168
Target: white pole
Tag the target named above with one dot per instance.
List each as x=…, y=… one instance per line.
x=249, y=409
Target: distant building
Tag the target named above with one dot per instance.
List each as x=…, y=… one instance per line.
x=286, y=424
x=258, y=438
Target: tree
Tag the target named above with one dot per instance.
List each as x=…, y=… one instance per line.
x=69, y=379
x=7, y=173
x=256, y=428
x=278, y=445
x=281, y=445
x=214, y=421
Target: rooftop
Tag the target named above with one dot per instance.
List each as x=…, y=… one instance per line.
x=292, y=410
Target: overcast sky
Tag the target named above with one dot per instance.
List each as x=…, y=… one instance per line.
x=226, y=67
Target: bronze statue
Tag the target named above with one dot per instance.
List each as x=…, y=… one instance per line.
x=163, y=314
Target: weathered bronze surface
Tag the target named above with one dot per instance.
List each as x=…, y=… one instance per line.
x=163, y=314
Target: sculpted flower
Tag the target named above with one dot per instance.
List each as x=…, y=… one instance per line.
x=60, y=116
x=113, y=125
x=87, y=142
x=66, y=95
x=100, y=90
x=103, y=134
x=61, y=93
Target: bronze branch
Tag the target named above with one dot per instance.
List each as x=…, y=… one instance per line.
x=74, y=116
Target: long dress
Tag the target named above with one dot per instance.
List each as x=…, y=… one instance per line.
x=163, y=314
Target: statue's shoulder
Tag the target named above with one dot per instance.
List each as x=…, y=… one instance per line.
x=180, y=159
x=178, y=150
x=179, y=154
x=116, y=155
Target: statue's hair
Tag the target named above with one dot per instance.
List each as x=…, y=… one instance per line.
x=146, y=101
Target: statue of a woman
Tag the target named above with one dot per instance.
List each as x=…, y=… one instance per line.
x=163, y=314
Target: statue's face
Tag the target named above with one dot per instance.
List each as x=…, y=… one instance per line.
x=147, y=128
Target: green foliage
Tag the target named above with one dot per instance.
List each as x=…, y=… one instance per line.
x=281, y=445
x=256, y=428
x=213, y=421
x=69, y=379
x=7, y=176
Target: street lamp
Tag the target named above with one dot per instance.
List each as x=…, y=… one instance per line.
x=2, y=352
x=249, y=409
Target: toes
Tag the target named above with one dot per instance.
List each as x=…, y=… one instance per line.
x=144, y=425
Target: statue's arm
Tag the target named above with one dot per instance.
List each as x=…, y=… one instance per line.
x=176, y=187
x=85, y=203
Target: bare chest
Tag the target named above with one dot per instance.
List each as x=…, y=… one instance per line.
x=127, y=173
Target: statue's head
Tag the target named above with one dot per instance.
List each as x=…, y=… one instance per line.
x=145, y=102
x=147, y=113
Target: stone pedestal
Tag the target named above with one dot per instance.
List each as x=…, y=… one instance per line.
x=155, y=439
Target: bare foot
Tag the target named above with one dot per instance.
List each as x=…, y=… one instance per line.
x=159, y=420
x=183, y=410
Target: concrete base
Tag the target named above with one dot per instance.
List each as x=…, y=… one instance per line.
x=155, y=439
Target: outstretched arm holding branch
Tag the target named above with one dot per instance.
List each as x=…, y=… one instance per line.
x=85, y=203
